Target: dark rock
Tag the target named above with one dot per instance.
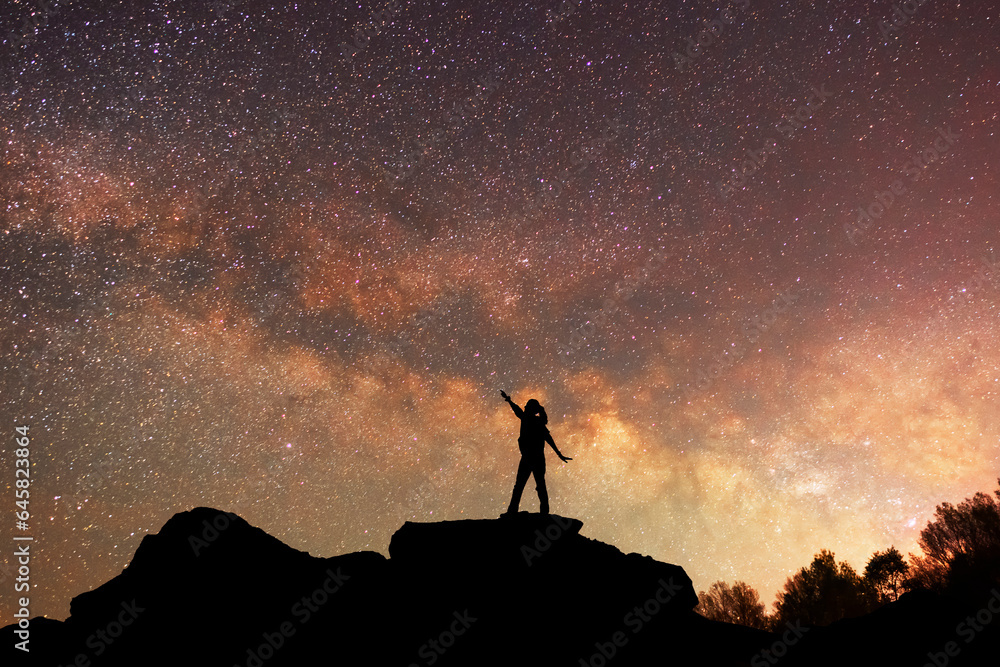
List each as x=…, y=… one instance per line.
x=920, y=628
x=209, y=589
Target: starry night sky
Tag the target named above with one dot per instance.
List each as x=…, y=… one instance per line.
x=280, y=258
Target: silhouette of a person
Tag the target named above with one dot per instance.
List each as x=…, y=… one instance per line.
x=531, y=442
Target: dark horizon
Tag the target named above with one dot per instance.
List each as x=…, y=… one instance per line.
x=525, y=587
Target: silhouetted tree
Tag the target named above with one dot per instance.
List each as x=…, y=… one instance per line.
x=961, y=546
x=885, y=572
x=738, y=604
x=823, y=593
x=925, y=574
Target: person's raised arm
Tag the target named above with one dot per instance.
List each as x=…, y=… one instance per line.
x=548, y=439
x=513, y=406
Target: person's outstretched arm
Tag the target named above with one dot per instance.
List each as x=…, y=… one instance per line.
x=548, y=439
x=513, y=406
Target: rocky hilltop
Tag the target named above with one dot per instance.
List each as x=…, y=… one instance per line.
x=210, y=589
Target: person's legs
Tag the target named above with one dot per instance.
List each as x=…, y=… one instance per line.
x=523, y=471
x=543, y=493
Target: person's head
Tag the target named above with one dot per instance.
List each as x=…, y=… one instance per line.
x=535, y=409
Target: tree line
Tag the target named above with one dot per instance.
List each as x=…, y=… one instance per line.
x=960, y=555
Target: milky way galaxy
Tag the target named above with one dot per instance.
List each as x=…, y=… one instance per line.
x=280, y=258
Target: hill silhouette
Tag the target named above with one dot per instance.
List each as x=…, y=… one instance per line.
x=528, y=589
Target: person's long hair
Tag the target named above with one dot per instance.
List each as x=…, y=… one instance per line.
x=536, y=410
